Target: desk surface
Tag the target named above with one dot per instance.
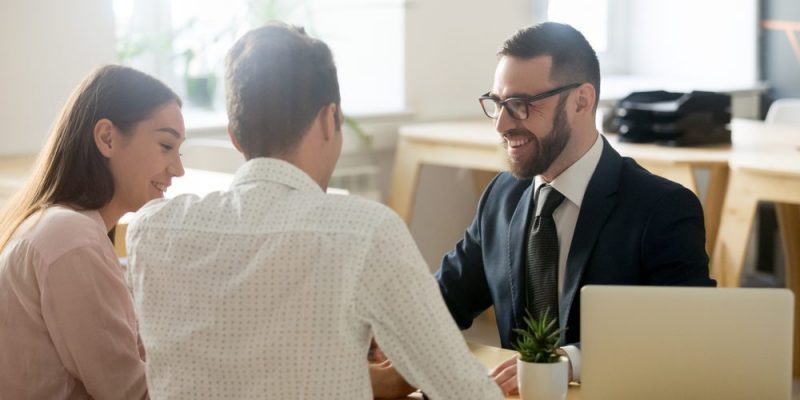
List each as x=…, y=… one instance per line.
x=772, y=149
x=492, y=356
x=784, y=163
x=757, y=135
x=475, y=144
x=746, y=135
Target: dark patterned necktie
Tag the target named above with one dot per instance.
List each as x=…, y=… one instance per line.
x=541, y=273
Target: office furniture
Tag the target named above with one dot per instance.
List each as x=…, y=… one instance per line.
x=476, y=145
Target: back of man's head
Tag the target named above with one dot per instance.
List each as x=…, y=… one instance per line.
x=574, y=60
x=277, y=80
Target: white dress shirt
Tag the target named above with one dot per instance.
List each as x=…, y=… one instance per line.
x=270, y=290
x=572, y=184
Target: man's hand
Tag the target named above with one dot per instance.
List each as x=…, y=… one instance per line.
x=505, y=376
x=387, y=382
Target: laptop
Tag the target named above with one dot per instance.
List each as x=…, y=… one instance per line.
x=649, y=342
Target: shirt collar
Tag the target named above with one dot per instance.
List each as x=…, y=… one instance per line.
x=275, y=170
x=573, y=181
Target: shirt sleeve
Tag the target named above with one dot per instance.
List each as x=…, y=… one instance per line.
x=399, y=298
x=574, y=355
x=89, y=314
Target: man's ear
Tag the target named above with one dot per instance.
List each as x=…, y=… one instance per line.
x=585, y=98
x=104, y=137
x=329, y=118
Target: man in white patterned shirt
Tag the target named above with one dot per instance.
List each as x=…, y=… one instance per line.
x=271, y=289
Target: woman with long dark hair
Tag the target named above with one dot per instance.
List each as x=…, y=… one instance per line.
x=67, y=325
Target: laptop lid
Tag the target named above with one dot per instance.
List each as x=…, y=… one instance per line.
x=649, y=342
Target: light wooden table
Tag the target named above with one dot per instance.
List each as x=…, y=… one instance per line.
x=762, y=172
x=470, y=144
x=476, y=145
x=492, y=356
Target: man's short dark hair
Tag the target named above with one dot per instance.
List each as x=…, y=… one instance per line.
x=574, y=60
x=277, y=80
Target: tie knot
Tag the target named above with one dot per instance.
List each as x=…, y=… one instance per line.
x=548, y=200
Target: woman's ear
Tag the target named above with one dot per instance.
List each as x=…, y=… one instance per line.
x=104, y=137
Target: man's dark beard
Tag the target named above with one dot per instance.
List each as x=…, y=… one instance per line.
x=547, y=149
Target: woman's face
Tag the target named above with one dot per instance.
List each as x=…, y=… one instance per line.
x=147, y=158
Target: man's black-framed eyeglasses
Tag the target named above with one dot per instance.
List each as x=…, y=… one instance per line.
x=517, y=106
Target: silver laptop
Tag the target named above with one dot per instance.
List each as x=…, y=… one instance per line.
x=646, y=342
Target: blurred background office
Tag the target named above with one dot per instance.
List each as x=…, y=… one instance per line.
x=400, y=62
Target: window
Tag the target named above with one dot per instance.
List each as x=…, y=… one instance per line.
x=602, y=22
x=588, y=16
x=184, y=42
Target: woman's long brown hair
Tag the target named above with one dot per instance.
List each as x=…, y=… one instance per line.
x=70, y=169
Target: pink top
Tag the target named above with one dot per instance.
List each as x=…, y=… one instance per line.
x=67, y=327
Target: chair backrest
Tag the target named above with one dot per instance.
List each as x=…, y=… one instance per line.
x=784, y=111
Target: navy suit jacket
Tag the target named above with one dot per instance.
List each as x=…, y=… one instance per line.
x=634, y=228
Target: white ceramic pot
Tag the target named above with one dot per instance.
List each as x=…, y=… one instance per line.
x=539, y=381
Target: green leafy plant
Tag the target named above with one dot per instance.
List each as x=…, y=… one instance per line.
x=195, y=45
x=540, y=339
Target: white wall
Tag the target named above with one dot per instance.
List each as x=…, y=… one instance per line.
x=451, y=48
x=450, y=52
x=712, y=42
x=47, y=47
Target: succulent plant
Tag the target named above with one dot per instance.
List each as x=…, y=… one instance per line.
x=540, y=339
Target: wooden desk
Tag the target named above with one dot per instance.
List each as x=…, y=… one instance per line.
x=476, y=145
x=471, y=144
x=492, y=356
x=769, y=173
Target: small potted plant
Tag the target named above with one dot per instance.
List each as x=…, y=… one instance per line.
x=542, y=374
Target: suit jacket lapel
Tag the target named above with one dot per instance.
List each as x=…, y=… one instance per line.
x=516, y=254
x=598, y=202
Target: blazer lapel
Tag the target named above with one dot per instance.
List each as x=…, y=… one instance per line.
x=598, y=202
x=516, y=254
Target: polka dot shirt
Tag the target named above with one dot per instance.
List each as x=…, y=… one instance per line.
x=272, y=289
